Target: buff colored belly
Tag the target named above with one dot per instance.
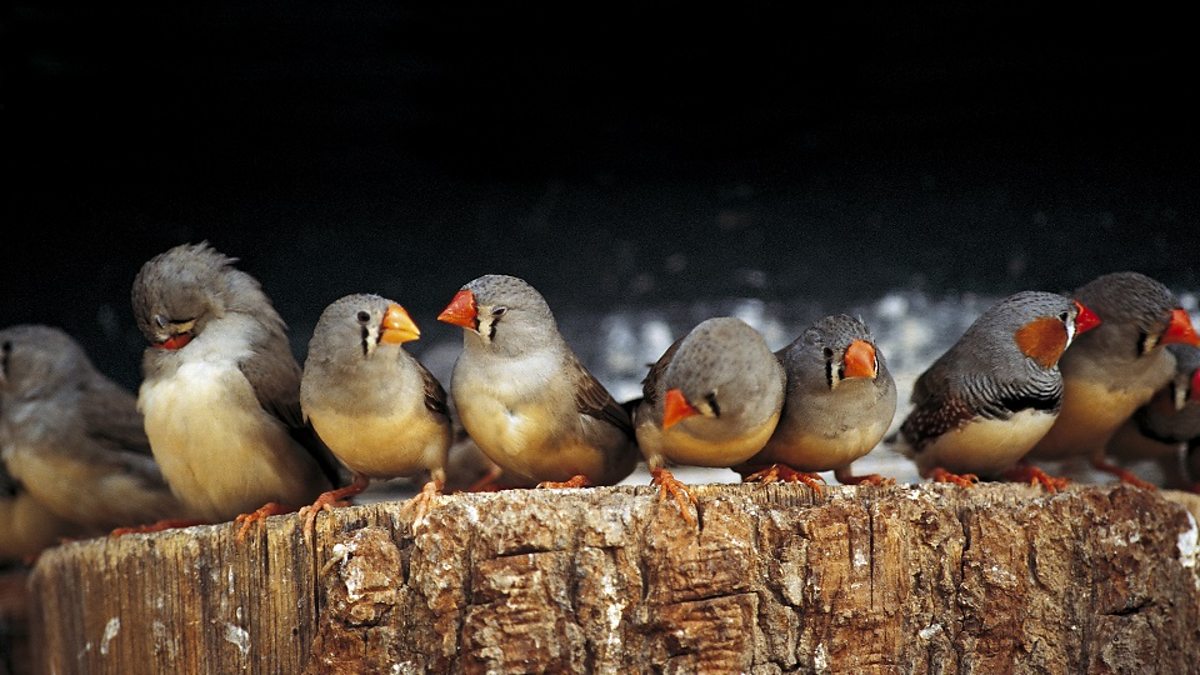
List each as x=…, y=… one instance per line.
x=528, y=440
x=1091, y=413
x=221, y=453
x=384, y=447
x=816, y=452
x=986, y=447
x=685, y=443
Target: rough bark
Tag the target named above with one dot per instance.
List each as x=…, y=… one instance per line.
x=994, y=579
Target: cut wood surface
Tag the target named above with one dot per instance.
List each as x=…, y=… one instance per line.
x=931, y=578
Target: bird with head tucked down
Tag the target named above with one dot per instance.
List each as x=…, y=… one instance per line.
x=221, y=391
x=712, y=399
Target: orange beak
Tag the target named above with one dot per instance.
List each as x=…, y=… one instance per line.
x=398, y=326
x=1085, y=319
x=859, y=360
x=460, y=311
x=1180, y=330
x=676, y=408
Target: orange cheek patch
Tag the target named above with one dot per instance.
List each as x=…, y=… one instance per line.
x=1043, y=340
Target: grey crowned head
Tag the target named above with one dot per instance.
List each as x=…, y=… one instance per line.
x=35, y=359
x=722, y=369
x=834, y=349
x=352, y=327
x=502, y=312
x=1138, y=314
x=1030, y=324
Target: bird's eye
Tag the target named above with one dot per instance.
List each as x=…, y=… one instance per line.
x=1063, y=317
x=499, y=310
x=712, y=403
x=827, y=352
x=363, y=317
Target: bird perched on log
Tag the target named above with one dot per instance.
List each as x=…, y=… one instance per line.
x=1114, y=370
x=1167, y=429
x=72, y=439
x=712, y=399
x=985, y=402
x=221, y=391
x=523, y=395
x=839, y=402
x=380, y=412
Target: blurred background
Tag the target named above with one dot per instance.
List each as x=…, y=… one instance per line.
x=645, y=165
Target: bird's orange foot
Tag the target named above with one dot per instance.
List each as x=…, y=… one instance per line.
x=669, y=485
x=489, y=483
x=168, y=524
x=781, y=472
x=844, y=477
x=260, y=515
x=940, y=475
x=1125, y=475
x=1027, y=473
x=332, y=499
x=577, y=481
x=420, y=505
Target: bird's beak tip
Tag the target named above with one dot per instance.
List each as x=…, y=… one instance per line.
x=398, y=327
x=676, y=409
x=859, y=360
x=461, y=310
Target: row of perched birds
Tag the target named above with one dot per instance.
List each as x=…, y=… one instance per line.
x=228, y=426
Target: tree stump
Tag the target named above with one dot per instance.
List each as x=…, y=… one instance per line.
x=775, y=578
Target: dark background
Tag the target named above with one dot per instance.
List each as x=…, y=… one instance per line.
x=615, y=155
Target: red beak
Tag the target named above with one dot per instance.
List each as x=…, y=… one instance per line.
x=175, y=341
x=859, y=360
x=676, y=408
x=460, y=311
x=1180, y=330
x=1085, y=319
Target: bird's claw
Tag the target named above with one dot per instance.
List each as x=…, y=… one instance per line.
x=423, y=502
x=259, y=515
x=966, y=480
x=1025, y=473
x=780, y=472
x=576, y=481
x=669, y=485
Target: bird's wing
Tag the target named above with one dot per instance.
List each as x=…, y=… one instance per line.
x=275, y=378
x=435, y=394
x=111, y=418
x=592, y=399
x=650, y=383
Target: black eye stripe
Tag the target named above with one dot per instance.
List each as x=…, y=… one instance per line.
x=712, y=403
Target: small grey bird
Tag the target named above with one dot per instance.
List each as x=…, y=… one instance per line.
x=839, y=402
x=523, y=395
x=985, y=402
x=712, y=399
x=1112, y=371
x=380, y=412
x=1167, y=429
x=72, y=438
x=221, y=391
